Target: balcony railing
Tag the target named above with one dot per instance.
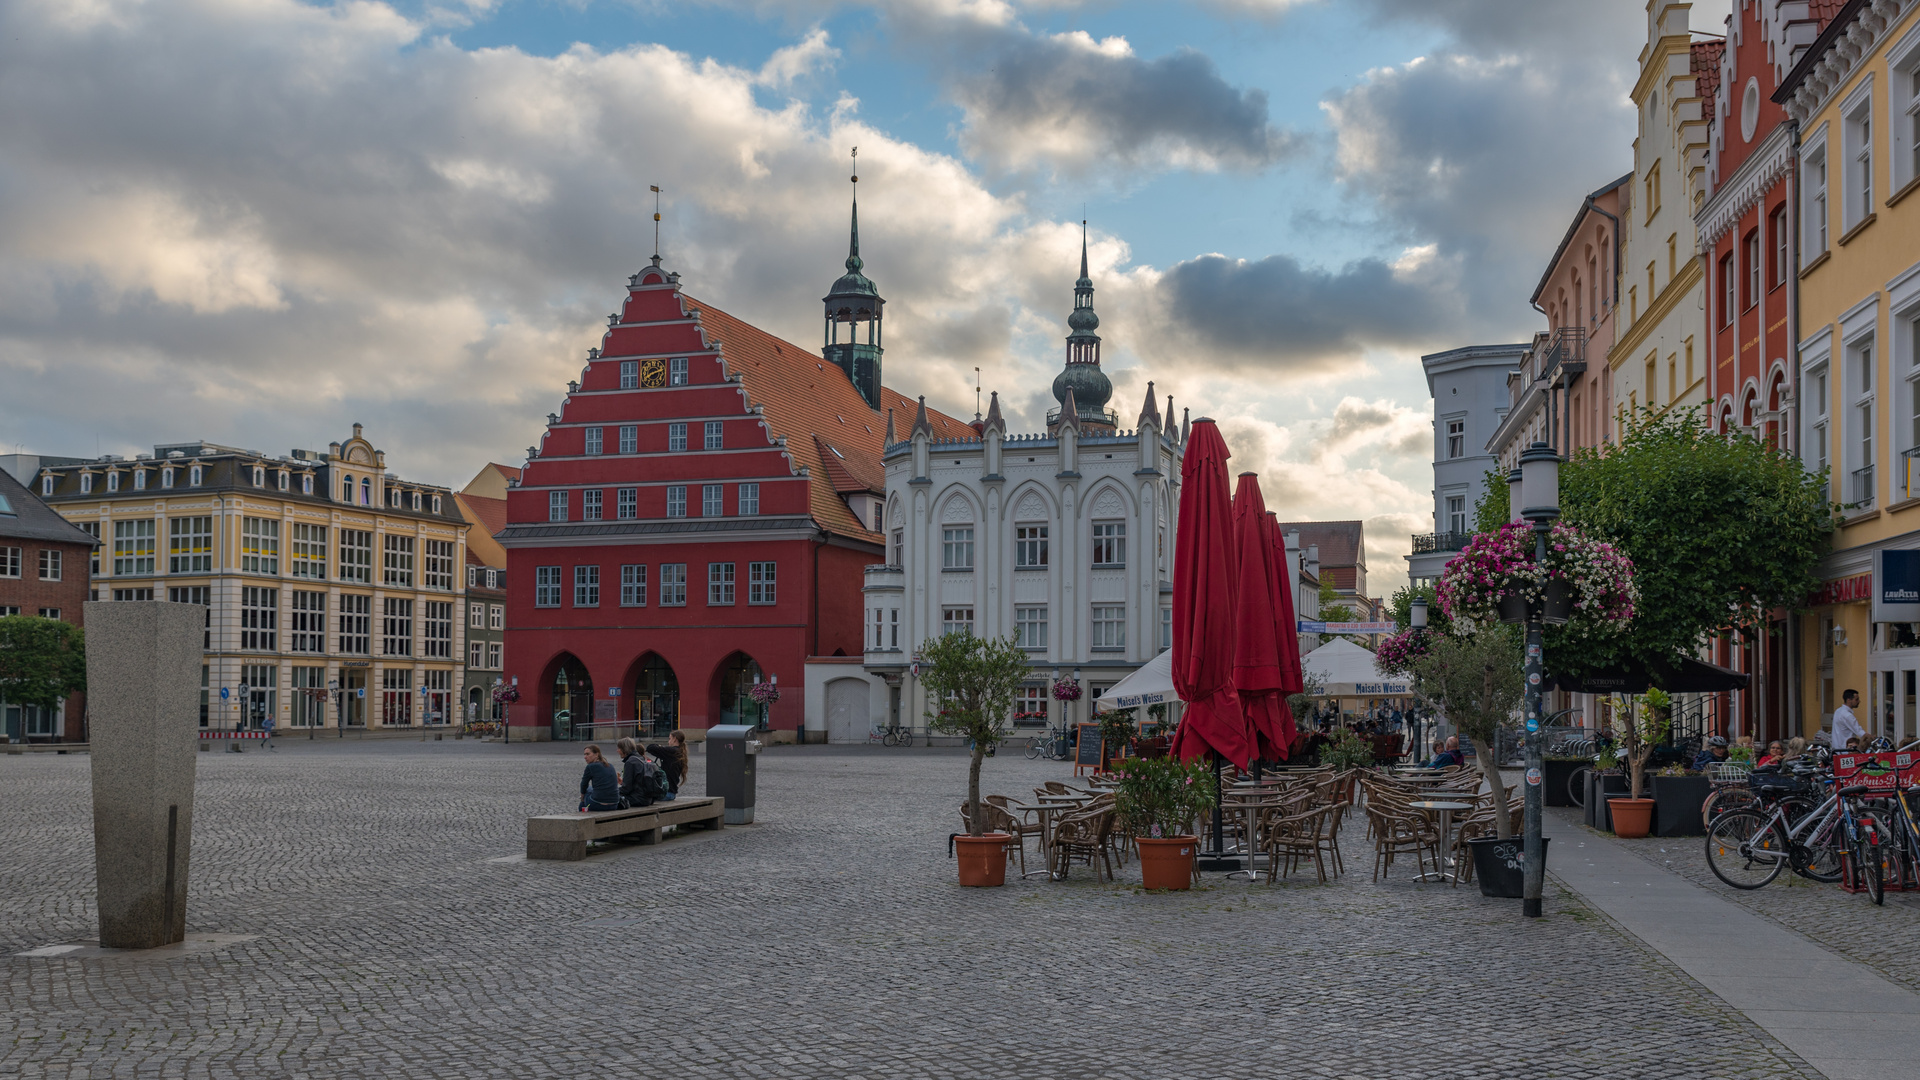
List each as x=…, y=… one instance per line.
x=1863, y=487
x=1108, y=416
x=1566, y=353
x=1428, y=543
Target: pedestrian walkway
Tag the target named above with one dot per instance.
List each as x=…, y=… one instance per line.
x=1840, y=1016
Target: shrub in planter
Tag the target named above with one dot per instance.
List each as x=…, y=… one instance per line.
x=1157, y=801
x=975, y=681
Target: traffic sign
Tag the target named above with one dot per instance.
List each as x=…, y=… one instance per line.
x=223, y=693
x=613, y=691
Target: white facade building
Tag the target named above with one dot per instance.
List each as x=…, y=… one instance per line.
x=1470, y=401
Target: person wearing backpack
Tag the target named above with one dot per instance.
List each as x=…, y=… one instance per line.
x=672, y=756
x=635, y=790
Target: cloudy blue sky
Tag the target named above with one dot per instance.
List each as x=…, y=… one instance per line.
x=258, y=221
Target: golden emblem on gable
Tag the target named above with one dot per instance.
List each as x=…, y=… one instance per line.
x=653, y=372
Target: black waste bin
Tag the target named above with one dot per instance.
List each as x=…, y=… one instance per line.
x=732, y=752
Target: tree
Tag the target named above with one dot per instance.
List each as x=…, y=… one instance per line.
x=1400, y=608
x=972, y=684
x=1478, y=683
x=41, y=660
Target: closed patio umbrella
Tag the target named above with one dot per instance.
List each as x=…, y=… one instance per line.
x=1257, y=675
x=1204, y=568
x=1292, y=676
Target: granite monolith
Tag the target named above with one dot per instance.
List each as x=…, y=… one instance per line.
x=143, y=709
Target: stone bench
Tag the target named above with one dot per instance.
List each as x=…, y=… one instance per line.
x=566, y=836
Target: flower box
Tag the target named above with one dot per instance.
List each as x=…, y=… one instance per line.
x=1677, y=802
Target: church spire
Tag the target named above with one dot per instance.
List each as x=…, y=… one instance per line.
x=1089, y=385
x=853, y=305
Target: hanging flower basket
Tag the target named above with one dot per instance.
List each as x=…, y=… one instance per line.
x=765, y=693
x=1065, y=689
x=1584, y=582
x=1398, y=651
x=506, y=695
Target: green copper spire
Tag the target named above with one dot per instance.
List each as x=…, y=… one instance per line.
x=853, y=311
x=1083, y=383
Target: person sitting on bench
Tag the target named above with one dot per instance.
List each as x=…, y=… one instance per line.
x=599, y=787
x=634, y=790
x=672, y=756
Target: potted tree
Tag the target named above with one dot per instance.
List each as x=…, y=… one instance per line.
x=1645, y=728
x=1117, y=734
x=1477, y=681
x=972, y=684
x=1157, y=802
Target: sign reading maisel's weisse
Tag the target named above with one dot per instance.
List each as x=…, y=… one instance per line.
x=1896, y=586
x=1308, y=626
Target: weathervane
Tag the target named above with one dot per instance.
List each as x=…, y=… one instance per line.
x=655, y=188
x=856, y=164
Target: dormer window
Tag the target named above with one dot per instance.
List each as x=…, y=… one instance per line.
x=436, y=504
x=393, y=498
x=259, y=476
x=306, y=483
x=86, y=483
x=283, y=479
x=139, y=479
x=193, y=476
x=166, y=478
x=46, y=484
x=416, y=501
x=113, y=481
x=346, y=487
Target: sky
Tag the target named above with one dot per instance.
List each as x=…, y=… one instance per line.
x=257, y=222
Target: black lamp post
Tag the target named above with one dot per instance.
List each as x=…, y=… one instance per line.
x=1538, y=503
x=1416, y=619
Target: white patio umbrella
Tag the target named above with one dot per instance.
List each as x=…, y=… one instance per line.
x=1150, y=684
x=1346, y=670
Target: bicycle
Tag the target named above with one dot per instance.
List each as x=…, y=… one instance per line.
x=1055, y=745
x=1747, y=849
x=895, y=735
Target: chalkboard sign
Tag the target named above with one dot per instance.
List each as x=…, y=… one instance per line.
x=1088, y=755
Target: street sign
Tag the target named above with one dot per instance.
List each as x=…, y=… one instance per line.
x=360, y=693
x=613, y=691
x=223, y=693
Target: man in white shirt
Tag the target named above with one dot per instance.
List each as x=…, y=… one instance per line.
x=1845, y=725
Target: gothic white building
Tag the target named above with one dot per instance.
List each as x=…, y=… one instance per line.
x=1064, y=539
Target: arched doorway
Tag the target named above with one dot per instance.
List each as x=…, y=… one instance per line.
x=735, y=680
x=476, y=704
x=656, y=696
x=572, y=707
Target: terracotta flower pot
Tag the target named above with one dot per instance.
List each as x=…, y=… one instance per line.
x=1632, y=818
x=1167, y=862
x=983, y=859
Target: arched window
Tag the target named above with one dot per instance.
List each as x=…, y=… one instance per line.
x=46, y=484
x=193, y=476
x=113, y=481
x=166, y=478
x=306, y=483
x=139, y=479
x=259, y=476
x=366, y=491
x=86, y=483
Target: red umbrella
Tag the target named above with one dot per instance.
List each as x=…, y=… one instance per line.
x=1257, y=674
x=1204, y=570
x=1286, y=623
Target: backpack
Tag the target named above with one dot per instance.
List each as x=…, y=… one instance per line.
x=653, y=780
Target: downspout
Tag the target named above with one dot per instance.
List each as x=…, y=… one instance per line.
x=1795, y=677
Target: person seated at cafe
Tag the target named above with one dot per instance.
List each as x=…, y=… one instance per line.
x=1776, y=753
x=1711, y=754
x=599, y=785
x=1796, y=748
x=1447, y=754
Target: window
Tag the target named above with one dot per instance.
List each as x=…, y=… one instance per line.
x=366, y=492
x=956, y=619
x=1752, y=252
x=308, y=697
x=476, y=616
x=356, y=618
x=1030, y=627
x=9, y=562
x=546, y=586
x=476, y=653
x=133, y=545
x=1726, y=289
x=629, y=438
x=495, y=650
x=46, y=484
x=893, y=628
x=719, y=583
x=1109, y=543
x=1777, y=225
x=1653, y=190
x=193, y=476
x=1031, y=701
x=629, y=374
x=1166, y=629
x=879, y=629
x=436, y=629
x=1109, y=626
x=1652, y=382
x=49, y=564
x=1456, y=439
x=633, y=585
x=593, y=440
x=676, y=437
x=556, y=506
x=677, y=371
x=1457, y=514
x=1813, y=206
x=761, y=584
x=396, y=561
x=393, y=498
x=123, y=595
x=113, y=481
x=140, y=480
x=439, y=565
x=586, y=586
x=1860, y=489
x=166, y=479
x=1858, y=136
x=673, y=584
x=259, y=618
x=396, y=627
x=1904, y=106
x=1817, y=453
x=308, y=555
x=713, y=439
x=956, y=549
x=1029, y=546
x=496, y=617
x=676, y=500
x=356, y=556
x=50, y=613
x=306, y=486
x=710, y=500
x=396, y=697
x=1913, y=394
x=196, y=594
x=749, y=500
x=590, y=505
x=307, y=626
x=262, y=697
x=626, y=503
x=281, y=479
x=899, y=548
x=86, y=483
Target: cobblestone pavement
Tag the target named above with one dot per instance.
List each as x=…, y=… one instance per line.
x=826, y=940
x=1886, y=938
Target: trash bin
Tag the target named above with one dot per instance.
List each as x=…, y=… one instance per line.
x=731, y=753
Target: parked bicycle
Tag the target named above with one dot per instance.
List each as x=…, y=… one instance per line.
x=1054, y=746
x=1747, y=849
x=891, y=735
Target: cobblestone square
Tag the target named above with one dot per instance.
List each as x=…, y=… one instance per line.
x=387, y=930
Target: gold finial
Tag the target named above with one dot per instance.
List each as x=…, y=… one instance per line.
x=856, y=164
x=655, y=188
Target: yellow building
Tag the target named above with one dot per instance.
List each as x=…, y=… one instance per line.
x=333, y=589
x=1855, y=94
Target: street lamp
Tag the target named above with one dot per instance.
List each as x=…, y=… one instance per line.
x=1537, y=501
x=1418, y=616
x=1513, y=492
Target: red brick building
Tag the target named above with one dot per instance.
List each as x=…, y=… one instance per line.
x=699, y=515
x=44, y=561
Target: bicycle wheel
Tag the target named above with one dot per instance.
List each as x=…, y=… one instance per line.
x=1033, y=749
x=887, y=739
x=1744, y=849
x=904, y=739
x=1869, y=855
x=1577, y=786
x=1724, y=800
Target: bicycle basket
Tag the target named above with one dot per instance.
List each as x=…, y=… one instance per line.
x=1728, y=772
x=1768, y=782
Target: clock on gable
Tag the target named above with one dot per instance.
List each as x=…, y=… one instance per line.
x=653, y=372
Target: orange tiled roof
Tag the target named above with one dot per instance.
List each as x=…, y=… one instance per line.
x=1705, y=65
x=491, y=512
x=816, y=408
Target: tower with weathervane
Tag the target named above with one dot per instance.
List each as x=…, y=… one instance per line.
x=853, y=319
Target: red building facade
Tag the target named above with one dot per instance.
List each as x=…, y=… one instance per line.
x=698, y=517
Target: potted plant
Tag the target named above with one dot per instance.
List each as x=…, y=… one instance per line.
x=1157, y=801
x=1117, y=732
x=1646, y=728
x=1476, y=679
x=974, y=683
x=1678, y=795
x=1605, y=781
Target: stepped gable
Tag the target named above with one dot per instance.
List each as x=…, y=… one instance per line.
x=817, y=408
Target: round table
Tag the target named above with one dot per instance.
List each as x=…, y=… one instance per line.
x=1445, y=809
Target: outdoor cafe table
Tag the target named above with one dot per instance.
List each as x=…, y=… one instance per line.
x=1445, y=809
x=1049, y=805
x=1252, y=803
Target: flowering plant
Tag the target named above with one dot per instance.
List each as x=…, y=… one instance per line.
x=1161, y=797
x=1598, y=577
x=1065, y=689
x=765, y=693
x=506, y=695
x=1398, y=651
